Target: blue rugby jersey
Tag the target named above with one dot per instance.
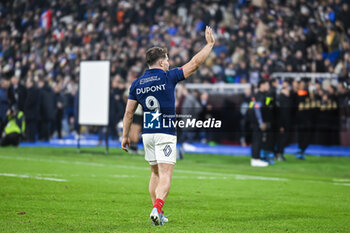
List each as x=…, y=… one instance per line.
x=155, y=91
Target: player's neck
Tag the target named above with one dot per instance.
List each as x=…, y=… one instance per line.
x=157, y=67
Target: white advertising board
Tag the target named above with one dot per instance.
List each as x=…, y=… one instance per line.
x=94, y=92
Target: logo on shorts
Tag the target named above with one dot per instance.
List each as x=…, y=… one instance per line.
x=167, y=150
x=151, y=120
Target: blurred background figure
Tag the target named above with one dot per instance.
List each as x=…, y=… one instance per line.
x=268, y=115
x=283, y=119
x=48, y=108
x=191, y=109
x=32, y=110
x=117, y=105
x=258, y=124
x=4, y=103
x=204, y=114
x=17, y=93
x=304, y=119
x=245, y=128
x=57, y=124
x=15, y=127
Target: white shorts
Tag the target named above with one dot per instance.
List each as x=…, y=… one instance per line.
x=159, y=148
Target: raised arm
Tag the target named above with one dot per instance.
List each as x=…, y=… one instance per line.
x=190, y=67
x=127, y=120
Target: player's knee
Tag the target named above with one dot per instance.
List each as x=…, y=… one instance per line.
x=155, y=170
x=155, y=173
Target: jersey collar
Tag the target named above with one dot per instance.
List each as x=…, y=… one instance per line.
x=155, y=70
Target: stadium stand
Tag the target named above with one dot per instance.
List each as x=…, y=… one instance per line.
x=43, y=42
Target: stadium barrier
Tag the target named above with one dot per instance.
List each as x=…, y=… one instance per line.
x=195, y=148
x=238, y=88
x=219, y=88
x=298, y=76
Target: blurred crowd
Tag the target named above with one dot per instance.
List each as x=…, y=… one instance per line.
x=296, y=111
x=42, y=44
x=299, y=111
x=47, y=39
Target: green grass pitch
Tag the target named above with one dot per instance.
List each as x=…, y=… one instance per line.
x=59, y=190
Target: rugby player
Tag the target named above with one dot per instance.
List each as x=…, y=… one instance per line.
x=155, y=92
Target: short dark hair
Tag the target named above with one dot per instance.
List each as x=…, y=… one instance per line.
x=154, y=54
x=273, y=80
x=261, y=82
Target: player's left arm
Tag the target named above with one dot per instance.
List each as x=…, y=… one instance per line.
x=131, y=106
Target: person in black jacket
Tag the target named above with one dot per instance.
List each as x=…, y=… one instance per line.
x=268, y=115
x=284, y=119
x=304, y=119
x=4, y=103
x=118, y=106
x=31, y=110
x=57, y=126
x=47, y=110
x=17, y=93
x=259, y=127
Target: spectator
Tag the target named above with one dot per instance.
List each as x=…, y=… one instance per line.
x=304, y=119
x=118, y=108
x=284, y=119
x=204, y=114
x=15, y=127
x=258, y=125
x=190, y=108
x=4, y=103
x=17, y=93
x=32, y=110
x=48, y=110
x=57, y=124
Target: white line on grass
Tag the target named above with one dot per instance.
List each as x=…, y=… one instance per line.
x=74, y=162
x=32, y=177
x=345, y=184
x=341, y=180
x=237, y=176
x=201, y=177
x=123, y=176
x=247, y=177
x=212, y=175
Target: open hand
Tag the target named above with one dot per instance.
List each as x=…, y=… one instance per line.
x=209, y=35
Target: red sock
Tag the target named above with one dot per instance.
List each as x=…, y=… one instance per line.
x=158, y=204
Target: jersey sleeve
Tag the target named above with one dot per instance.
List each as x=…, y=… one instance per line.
x=175, y=75
x=132, y=92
